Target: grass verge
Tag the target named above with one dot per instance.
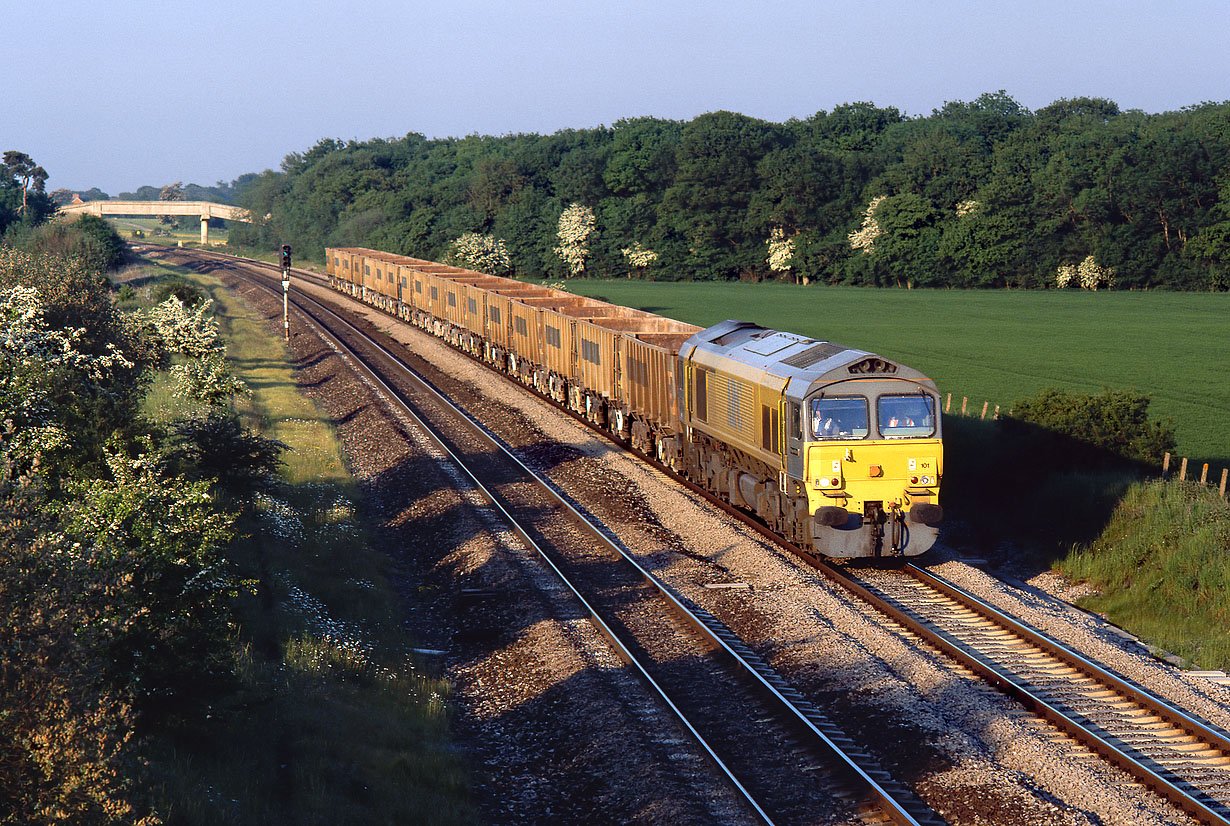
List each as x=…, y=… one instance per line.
x=331, y=720
x=1160, y=569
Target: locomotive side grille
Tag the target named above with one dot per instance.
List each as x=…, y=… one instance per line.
x=731, y=403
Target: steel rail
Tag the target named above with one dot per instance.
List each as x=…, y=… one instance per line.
x=1137, y=694
x=1172, y=715
x=707, y=627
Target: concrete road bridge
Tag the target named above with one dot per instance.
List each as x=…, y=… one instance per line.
x=205, y=209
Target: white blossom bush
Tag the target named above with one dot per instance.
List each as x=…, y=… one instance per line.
x=967, y=207
x=864, y=237
x=31, y=354
x=192, y=333
x=204, y=376
x=575, y=225
x=639, y=257
x=781, y=250
x=207, y=380
x=481, y=253
x=1088, y=274
x=1092, y=275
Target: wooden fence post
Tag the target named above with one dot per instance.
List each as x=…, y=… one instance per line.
x=1166, y=463
x=1204, y=474
x=948, y=403
x=964, y=399
x=1222, y=490
x=996, y=416
x=1183, y=470
x=984, y=410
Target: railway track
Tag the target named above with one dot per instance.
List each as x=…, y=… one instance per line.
x=1181, y=758
x=780, y=752
x=1184, y=759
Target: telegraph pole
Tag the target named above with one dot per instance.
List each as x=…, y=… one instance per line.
x=286, y=290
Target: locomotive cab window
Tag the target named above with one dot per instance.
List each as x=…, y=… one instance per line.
x=839, y=417
x=906, y=416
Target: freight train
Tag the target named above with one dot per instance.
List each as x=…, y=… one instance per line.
x=836, y=449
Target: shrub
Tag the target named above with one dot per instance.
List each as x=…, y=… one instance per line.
x=1047, y=476
x=1064, y=429
x=219, y=448
x=155, y=544
x=187, y=292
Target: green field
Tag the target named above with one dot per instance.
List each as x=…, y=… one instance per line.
x=125, y=225
x=998, y=346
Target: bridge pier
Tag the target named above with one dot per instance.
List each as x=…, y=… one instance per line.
x=204, y=230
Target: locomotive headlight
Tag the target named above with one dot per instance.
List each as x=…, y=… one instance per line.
x=927, y=480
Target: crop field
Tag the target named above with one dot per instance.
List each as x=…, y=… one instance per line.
x=1001, y=345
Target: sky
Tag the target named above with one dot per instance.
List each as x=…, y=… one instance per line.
x=121, y=94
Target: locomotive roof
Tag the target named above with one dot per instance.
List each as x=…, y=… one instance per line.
x=757, y=353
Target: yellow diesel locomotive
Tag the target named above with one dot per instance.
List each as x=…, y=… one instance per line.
x=837, y=449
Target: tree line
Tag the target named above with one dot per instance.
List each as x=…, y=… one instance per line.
x=977, y=194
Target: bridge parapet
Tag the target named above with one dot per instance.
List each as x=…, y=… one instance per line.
x=204, y=209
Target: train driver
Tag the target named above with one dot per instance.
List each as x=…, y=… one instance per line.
x=826, y=422
x=824, y=427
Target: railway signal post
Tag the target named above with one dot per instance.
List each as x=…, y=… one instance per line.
x=286, y=290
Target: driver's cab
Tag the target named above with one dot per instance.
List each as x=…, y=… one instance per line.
x=842, y=417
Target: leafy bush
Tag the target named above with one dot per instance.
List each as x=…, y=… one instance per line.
x=183, y=289
x=109, y=246
x=116, y=597
x=88, y=238
x=155, y=542
x=1038, y=486
x=65, y=731
x=1064, y=429
x=219, y=448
